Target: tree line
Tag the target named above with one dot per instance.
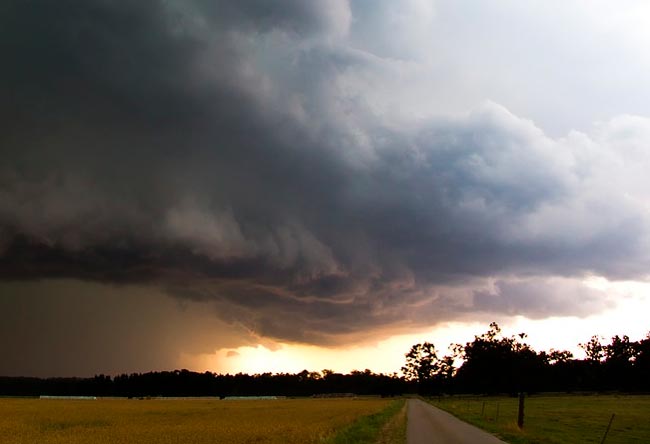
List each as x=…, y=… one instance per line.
x=188, y=383
x=494, y=363
x=490, y=363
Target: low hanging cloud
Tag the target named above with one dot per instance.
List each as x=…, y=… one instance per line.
x=541, y=298
x=232, y=154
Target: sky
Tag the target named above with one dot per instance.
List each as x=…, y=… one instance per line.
x=276, y=186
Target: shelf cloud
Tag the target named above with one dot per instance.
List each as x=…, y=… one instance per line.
x=274, y=160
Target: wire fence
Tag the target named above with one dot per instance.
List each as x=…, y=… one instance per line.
x=605, y=419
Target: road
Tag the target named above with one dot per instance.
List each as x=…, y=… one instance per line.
x=430, y=425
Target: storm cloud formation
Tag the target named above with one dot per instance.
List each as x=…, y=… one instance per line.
x=245, y=154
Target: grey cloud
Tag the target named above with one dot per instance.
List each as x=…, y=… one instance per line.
x=550, y=64
x=541, y=298
x=401, y=24
x=228, y=153
x=294, y=16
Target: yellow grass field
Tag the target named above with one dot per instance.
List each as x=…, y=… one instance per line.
x=121, y=421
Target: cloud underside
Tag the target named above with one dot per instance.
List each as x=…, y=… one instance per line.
x=239, y=155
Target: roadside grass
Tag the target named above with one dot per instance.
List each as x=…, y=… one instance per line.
x=386, y=427
x=556, y=419
x=394, y=431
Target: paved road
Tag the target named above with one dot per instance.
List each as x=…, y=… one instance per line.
x=430, y=425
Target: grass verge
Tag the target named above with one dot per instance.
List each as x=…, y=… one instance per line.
x=559, y=419
x=394, y=431
x=387, y=427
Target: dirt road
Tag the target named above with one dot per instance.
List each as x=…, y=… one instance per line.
x=430, y=425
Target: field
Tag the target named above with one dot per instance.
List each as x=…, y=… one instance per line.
x=121, y=421
x=557, y=419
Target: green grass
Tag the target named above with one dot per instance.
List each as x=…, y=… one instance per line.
x=394, y=431
x=387, y=426
x=558, y=419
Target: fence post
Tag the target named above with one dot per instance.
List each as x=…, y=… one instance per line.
x=520, y=415
x=608, y=427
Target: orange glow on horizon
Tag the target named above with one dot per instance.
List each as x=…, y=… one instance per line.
x=387, y=355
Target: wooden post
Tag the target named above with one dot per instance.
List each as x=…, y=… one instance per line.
x=608, y=427
x=483, y=409
x=520, y=415
x=496, y=419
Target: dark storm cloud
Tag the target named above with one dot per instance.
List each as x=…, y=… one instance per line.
x=294, y=16
x=226, y=152
x=537, y=298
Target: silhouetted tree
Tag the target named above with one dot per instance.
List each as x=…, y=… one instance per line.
x=422, y=362
x=559, y=356
x=620, y=355
x=494, y=363
x=594, y=350
x=641, y=366
x=425, y=367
